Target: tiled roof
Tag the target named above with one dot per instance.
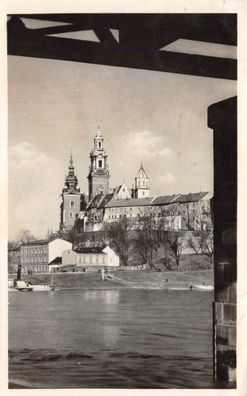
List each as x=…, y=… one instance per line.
x=191, y=197
x=105, y=200
x=95, y=201
x=129, y=202
x=179, y=198
x=39, y=242
x=164, y=199
x=94, y=249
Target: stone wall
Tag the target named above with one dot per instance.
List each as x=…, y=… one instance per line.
x=222, y=118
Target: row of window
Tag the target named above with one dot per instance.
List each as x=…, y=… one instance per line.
x=91, y=259
x=35, y=259
x=143, y=184
x=36, y=268
x=31, y=251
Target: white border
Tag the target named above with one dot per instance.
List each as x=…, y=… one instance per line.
x=145, y=6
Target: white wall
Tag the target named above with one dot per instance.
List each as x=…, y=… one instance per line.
x=56, y=247
x=69, y=257
x=112, y=258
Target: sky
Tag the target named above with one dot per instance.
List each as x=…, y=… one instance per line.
x=159, y=119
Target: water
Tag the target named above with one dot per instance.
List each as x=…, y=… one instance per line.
x=110, y=339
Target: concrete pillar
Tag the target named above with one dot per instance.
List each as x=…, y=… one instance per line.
x=222, y=118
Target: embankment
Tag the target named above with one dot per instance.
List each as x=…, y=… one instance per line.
x=125, y=279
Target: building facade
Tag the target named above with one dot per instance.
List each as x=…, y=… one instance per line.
x=90, y=257
x=98, y=177
x=37, y=255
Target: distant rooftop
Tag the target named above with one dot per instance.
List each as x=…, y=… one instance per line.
x=129, y=202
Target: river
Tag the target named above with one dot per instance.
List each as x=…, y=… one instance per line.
x=121, y=338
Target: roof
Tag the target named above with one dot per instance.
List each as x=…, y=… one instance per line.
x=129, y=202
x=38, y=242
x=57, y=260
x=191, y=197
x=93, y=249
x=14, y=249
x=164, y=199
x=95, y=201
x=142, y=170
x=117, y=189
x=42, y=241
x=105, y=200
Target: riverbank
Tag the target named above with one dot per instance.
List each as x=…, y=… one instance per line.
x=124, y=279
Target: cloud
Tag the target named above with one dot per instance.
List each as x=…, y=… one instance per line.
x=24, y=154
x=146, y=145
x=167, y=178
x=33, y=197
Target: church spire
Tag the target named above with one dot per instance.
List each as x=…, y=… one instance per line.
x=71, y=181
x=141, y=189
x=71, y=164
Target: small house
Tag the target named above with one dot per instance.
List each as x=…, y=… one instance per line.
x=95, y=256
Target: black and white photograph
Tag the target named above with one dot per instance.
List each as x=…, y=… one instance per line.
x=122, y=200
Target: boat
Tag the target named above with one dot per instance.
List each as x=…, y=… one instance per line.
x=203, y=287
x=23, y=286
x=41, y=287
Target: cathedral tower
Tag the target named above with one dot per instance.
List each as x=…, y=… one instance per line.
x=71, y=199
x=98, y=177
x=141, y=187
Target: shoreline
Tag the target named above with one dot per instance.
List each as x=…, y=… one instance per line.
x=142, y=279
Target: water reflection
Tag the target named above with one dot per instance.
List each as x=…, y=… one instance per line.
x=107, y=338
x=105, y=296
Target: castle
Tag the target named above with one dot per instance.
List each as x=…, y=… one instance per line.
x=106, y=205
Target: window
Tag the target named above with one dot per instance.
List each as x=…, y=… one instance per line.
x=70, y=214
x=99, y=145
x=72, y=204
x=100, y=163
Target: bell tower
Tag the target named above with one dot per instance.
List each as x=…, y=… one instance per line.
x=98, y=177
x=71, y=199
x=141, y=188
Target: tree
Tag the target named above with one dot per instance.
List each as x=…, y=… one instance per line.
x=176, y=246
x=118, y=235
x=26, y=236
x=201, y=242
x=146, y=241
x=49, y=233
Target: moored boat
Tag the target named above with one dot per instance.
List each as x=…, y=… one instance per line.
x=203, y=287
x=23, y=286
x=20, y=285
